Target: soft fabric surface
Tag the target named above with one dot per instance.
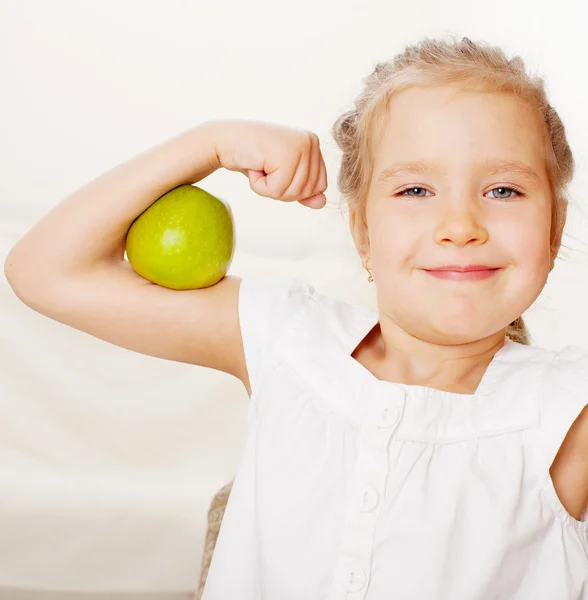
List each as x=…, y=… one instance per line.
x=215, y=518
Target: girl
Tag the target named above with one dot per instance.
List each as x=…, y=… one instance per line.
x=419, y=451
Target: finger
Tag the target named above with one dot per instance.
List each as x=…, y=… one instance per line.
x=298, y=183
x=322, y=182
x=257, y=180
x=314, y=172
x=316, y=201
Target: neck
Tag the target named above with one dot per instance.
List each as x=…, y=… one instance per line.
x=393, y=354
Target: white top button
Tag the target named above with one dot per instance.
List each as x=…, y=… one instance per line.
x=354, y=577
x=368, y=498
x=388, y=416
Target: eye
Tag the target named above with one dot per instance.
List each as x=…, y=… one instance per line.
x=413, y=188
x=415, y=191
x=505, y=189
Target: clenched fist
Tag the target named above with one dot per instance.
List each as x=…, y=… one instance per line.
x=280, y=162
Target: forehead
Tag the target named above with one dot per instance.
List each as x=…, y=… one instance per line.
x=449, y=127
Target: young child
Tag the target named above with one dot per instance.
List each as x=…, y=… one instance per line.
x=423, y=450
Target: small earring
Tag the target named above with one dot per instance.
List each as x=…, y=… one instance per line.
x=371, y=277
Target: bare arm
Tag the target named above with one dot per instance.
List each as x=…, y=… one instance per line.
x=90, y=226
x=569, y=471
x=70, y=266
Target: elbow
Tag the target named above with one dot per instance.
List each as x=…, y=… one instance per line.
x=13, y=272
x=25, y=279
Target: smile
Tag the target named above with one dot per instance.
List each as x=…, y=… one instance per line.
x=463, y=275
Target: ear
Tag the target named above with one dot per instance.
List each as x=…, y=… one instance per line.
x=359, y=232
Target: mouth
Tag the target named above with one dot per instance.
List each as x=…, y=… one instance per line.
x=463, y=273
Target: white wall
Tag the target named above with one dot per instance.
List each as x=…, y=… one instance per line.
x=89, y=84
x=86, y=85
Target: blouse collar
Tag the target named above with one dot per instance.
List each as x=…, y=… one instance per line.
x=318, y=344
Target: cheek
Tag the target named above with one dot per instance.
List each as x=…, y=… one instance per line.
x=527, y=241
x=393, y=240
x=522, y=239
x=394, y=250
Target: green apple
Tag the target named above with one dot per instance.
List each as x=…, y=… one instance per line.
x=184, y=240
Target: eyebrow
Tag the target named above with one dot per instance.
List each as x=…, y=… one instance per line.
x=494, y=167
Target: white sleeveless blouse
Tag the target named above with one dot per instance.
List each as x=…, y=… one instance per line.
x=354, y=488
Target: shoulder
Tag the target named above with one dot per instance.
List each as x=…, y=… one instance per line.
x=571, y=366
x=277, y=302
x=289, y=316
x=573, y=357
x=295, y=313
x=567, y=367
x=537, y=370
x=556, y=380
x=569, y=471
x=563, y=378
x=268, y=304
x=265, y=309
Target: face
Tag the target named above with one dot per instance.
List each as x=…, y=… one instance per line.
x=464, y=204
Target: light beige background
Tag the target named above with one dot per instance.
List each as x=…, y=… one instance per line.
x=108, y=459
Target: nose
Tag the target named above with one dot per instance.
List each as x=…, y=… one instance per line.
x=461, y=225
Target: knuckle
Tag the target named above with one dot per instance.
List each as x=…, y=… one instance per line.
x=305, y=139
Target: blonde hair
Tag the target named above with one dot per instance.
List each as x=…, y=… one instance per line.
x=477, y=66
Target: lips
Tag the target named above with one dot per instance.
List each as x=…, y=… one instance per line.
x=463, y=272
x=464, y=268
